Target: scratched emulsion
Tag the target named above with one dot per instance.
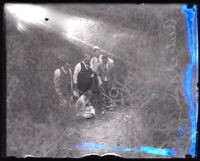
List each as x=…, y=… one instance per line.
x=149, y=45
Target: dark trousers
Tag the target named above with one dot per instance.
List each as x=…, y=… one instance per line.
x=83, y=87
x=95, y=91
x=104, y=90
x=94, y=85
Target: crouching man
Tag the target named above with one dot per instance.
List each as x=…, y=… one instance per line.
x=84, y=107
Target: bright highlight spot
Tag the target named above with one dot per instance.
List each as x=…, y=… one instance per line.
x=27, y=12
x=21, y=27
x=79, y=27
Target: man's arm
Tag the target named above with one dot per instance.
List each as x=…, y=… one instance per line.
x=76, y=72
x=57, y=82
x=75, y=76
x=92, y=63
x=92, y=66
x=113, y=72
x=99, y=75
x=57, y=75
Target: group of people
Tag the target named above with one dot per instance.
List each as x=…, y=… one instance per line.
x=89, y=84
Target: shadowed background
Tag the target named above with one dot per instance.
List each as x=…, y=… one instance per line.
x=148, y=44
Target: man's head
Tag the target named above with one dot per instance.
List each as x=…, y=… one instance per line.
x=87, y=60
x=105, y=59
x=96, y=49
x=88, y=95
x=62, y=60
x=66, y=66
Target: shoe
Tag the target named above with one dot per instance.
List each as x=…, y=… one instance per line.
x=111, y=109
x=88, y=115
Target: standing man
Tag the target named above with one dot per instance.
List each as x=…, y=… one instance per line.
x=105, y=76
x=63, y=83
x=82, y=77
x=94, y=63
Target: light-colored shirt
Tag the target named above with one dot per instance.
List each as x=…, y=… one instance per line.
x=95, y=62
x=57, y=75
x=77, y=70
x=104, y=71
x=109, y=60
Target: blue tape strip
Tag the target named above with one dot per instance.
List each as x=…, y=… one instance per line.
x=93, y=146
x=190, y=15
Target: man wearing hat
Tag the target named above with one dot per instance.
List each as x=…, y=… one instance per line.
x=82, y=77
x=63, y=83
x=94, y=63
x=105, y=76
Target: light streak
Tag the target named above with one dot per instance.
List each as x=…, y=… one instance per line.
x=90, y=45
x=21, y=27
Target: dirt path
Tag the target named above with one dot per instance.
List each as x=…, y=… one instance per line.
x=113, y=129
